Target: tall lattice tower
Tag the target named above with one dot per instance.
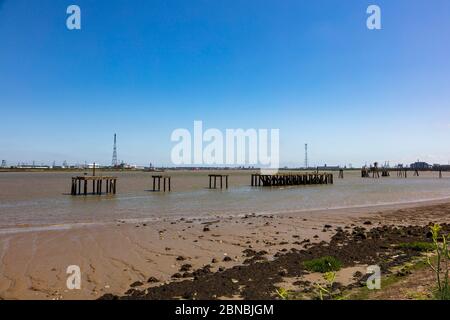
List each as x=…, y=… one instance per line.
x=306, y=156
x=114, y=157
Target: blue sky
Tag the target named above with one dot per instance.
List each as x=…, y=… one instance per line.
x=144, y=68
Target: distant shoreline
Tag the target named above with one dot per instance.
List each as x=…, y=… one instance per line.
x=159, y=169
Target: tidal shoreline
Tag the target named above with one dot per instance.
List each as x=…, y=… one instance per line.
x=114, y=256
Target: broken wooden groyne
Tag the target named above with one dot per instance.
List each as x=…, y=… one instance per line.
x=374, y=172
x=157, y=186
x=213, y=180
x=290, y=179
x=80, y=185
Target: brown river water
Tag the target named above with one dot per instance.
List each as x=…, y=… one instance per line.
x=41, y=199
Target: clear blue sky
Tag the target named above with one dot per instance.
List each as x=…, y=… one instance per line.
x=144, y=68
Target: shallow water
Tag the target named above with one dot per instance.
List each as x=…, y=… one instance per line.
x=36, y=199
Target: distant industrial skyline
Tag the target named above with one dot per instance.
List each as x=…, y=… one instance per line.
x=142, y=69
x=115, y=162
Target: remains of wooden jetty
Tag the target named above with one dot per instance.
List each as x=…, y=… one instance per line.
x=290, y=179
x=80, y=185
x=400, y=170
x=402, y=173
x=215, y=177
x=158, y=178
x=375, y=171
x=365, y=172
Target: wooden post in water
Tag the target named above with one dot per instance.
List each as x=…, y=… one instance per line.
x=166, y=184
x=80, y=185
x=213, y=185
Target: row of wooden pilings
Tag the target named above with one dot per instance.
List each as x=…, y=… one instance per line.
x=157, y=182
x=401, y=172
x=293, y=179
x=80, y=185
x=213, y=179
x=366, y=172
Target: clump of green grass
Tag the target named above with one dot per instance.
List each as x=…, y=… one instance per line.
x=323, y=264
x=417, y=246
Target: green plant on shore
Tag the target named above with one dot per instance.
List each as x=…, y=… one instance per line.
x=441, y=266
x=329, y=277
x=283, y=293
x=323, y=264
x=418, y=246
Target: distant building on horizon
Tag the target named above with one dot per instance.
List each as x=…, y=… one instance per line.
x=420, y=165
x=443, y=167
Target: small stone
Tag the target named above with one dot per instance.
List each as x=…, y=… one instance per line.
x=185, y=267
x=152, y=280
x=136, y=284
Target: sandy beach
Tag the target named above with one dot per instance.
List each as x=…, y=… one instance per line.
x=114, y=256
